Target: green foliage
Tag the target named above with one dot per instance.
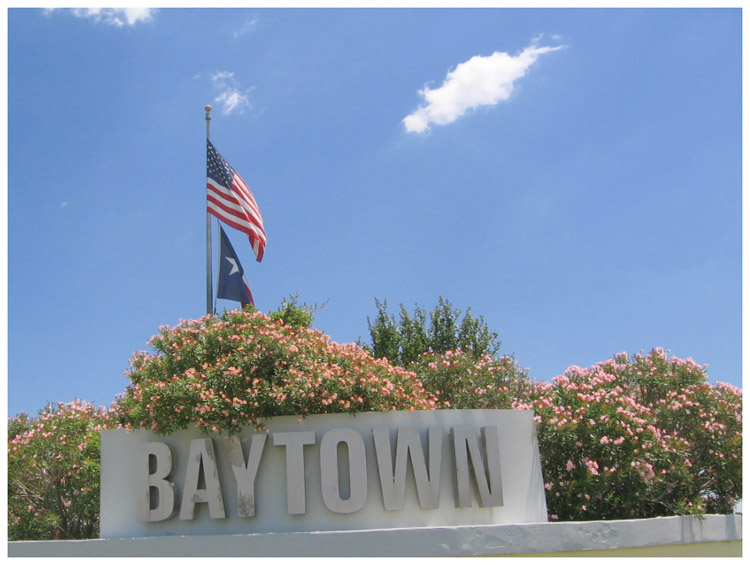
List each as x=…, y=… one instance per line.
x=293, y=314
x=441, y=330
x=53, y=472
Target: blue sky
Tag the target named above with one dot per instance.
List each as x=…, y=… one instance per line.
x=574, y=176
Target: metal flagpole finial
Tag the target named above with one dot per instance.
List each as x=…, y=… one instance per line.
x=208, y=111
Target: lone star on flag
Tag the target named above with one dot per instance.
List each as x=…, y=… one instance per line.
x=232, y=284
x=235, y=268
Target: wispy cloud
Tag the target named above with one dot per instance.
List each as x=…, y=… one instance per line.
x=246, y=27
x=118, y=17
x=480, y=81
x=231, y=97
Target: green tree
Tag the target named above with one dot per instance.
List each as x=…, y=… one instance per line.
x=294, y=314
x=443, y=329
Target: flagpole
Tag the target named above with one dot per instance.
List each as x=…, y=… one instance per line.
x=209, y=279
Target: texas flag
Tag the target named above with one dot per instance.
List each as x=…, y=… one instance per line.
x=232, y=282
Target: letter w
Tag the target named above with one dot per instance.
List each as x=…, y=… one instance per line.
x=408, y=443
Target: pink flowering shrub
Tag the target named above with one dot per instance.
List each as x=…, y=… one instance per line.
x=638, y=437
x=53, y=472
x=632, y=437
x=221, y=373
x=461, y=379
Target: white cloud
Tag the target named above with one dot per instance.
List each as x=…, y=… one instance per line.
x=117, y=17
x=221, y=76
x=231, y=98
x=480, y=81
x=246, y=27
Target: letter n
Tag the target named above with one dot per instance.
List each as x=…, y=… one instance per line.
x=487, y=477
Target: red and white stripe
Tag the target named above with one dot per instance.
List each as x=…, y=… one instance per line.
x=236, y=207
x=249, y=292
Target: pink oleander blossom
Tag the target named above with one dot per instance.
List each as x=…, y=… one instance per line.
x=53, y=471
x=629, y=430
x=238, y=368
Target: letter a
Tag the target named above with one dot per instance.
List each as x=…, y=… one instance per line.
x=202, y=453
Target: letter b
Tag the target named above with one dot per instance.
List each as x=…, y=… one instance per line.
x=148, y=481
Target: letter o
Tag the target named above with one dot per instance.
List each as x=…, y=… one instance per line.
x=329, y=470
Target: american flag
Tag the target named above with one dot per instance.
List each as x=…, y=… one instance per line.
x=230, y=200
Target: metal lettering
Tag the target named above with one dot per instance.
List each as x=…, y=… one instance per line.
x=330, y=473
x=408, y=443
x=465, y=439
x=295, y=467
x=202, y=454
x=245, y=473
x=147, y=481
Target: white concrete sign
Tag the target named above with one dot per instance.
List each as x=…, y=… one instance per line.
x=326, y=472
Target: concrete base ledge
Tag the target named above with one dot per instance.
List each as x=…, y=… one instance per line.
x=675, y=535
